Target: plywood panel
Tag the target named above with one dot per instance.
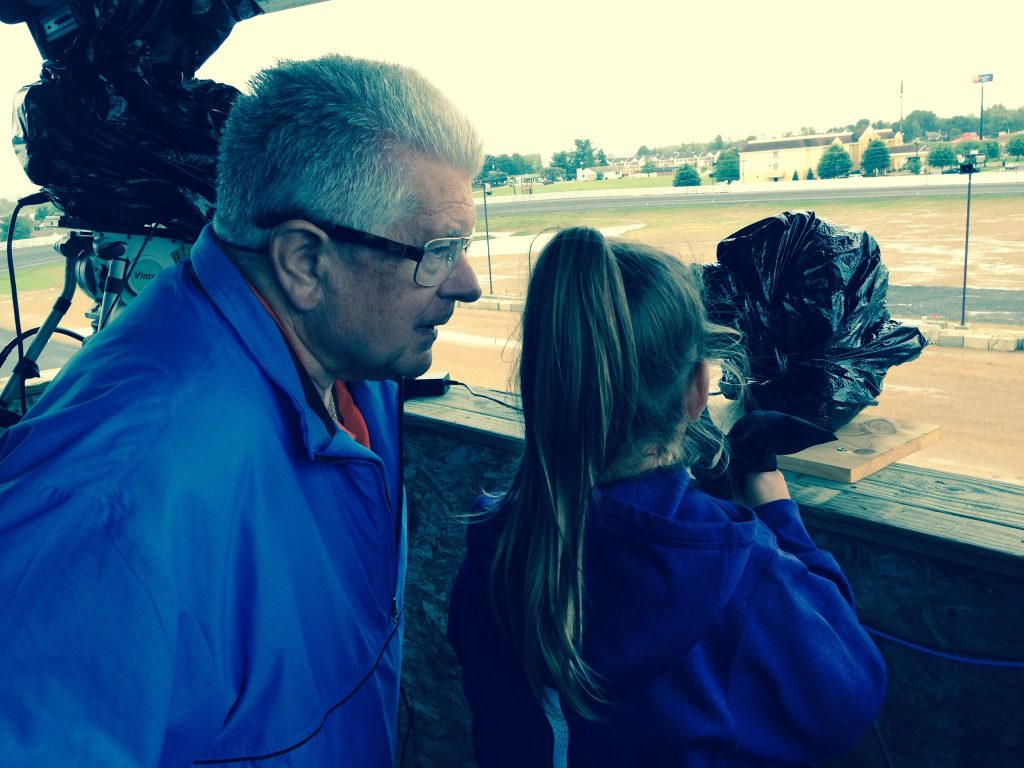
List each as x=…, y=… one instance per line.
x=865, y=445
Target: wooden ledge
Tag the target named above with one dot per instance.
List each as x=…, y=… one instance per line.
x=963, y=519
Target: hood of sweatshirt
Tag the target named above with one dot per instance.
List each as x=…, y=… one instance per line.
x=662, y=561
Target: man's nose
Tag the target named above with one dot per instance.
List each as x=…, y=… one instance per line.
x=462, y=283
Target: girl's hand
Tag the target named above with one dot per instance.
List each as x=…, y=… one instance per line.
x=762, y=487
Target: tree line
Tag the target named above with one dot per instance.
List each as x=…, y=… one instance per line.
x=998, y=118
x=498, y=168
x=920, y=126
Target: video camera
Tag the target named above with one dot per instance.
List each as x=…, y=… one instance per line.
x=122, y=138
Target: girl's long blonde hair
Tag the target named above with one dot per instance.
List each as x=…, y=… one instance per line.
x=612, y=334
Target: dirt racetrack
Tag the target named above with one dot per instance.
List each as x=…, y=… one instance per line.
x=974, y=396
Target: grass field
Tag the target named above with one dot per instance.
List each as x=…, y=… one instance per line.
x=33, y=278
x=921, y=237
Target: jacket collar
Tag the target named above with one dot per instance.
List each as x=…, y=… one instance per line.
x=258, y=333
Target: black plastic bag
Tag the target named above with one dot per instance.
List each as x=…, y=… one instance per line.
x=809, y=298
x=118, y=132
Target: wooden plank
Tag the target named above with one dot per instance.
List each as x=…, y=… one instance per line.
x=967, y=520
x=469, y=427
x=910, y=525
x=994, y=551
x=865, y=445
x=459, y=412
x=458, y=399
x=967, y=497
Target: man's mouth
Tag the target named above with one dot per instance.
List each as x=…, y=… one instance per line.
x=433, y=326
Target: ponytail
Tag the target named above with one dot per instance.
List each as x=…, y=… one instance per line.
x=578, y=379
x=611, y=336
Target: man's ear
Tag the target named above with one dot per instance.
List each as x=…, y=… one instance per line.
x=697, y=391
x=297, y=260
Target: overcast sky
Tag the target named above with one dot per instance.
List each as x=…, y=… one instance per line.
x=533, y=76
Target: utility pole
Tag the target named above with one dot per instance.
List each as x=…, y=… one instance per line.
x=487, y=238
x=901, y=107
x=968, y=165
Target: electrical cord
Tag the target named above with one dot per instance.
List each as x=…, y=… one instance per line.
x=34, y=199
x=515, y=408
x=32, y=332
x=323, y=721
x=958, y=658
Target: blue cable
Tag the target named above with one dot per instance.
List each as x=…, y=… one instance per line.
x=959, y=659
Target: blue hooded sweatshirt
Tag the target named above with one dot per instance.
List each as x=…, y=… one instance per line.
x=197, y=566
x=721, y=637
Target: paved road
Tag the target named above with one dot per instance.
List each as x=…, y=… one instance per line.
x=31, y=256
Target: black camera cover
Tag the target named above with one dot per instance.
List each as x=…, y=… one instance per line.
x=118, y=131
x=809, y=298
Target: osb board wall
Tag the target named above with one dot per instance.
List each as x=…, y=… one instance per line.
x=443, y=476
x=937, y=714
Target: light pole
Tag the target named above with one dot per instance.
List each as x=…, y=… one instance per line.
x=968, y=165
x=981, y=80
x=487, y=237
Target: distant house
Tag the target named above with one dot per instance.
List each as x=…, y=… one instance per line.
x=627, y=165
x=899, y=155
x=706, y=161
x=49, y=222
x=1004, y=137
x=664, y=162
x=605, y=171
x=775, y=159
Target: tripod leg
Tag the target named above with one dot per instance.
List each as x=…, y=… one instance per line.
x=60, y=308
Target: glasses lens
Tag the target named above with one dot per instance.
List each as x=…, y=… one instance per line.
x=439, y=259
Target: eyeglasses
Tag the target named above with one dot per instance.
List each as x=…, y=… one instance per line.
x=435, y=261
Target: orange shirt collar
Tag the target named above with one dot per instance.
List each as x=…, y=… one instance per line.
x=351, y=419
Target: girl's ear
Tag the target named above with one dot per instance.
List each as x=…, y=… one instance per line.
x=697, y=391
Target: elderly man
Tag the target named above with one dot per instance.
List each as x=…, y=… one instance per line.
x=202, y=519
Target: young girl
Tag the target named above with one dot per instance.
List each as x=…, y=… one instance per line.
x=607, y=612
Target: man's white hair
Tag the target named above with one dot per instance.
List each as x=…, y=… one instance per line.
x=325, y=138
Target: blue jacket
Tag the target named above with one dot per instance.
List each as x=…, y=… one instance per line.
x=197, y=567
x=722, y=638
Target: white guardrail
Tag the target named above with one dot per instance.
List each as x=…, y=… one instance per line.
x=36, y=241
